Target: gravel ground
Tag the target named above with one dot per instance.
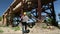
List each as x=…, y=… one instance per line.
x=38, y=30
x=35, y=30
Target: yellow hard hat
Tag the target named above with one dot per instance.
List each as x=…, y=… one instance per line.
x=24, y=13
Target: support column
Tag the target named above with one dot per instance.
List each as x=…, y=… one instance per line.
x=5, y=19
x=53, y=14
x=11, y=15
x=39, y=10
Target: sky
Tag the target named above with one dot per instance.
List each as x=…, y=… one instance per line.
x=4, y=4
x=57, y=8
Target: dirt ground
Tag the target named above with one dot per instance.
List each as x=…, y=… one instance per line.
x=38, y=30
x=35, y=30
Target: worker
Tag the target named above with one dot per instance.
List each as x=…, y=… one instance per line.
x=24, y=18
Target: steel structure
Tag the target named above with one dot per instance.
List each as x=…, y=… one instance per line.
x=19, y=6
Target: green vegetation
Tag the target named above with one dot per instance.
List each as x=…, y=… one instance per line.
x=1, y=31
x=44, y=25
x=16, y=28
x=0, y=18
x=48, y=21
